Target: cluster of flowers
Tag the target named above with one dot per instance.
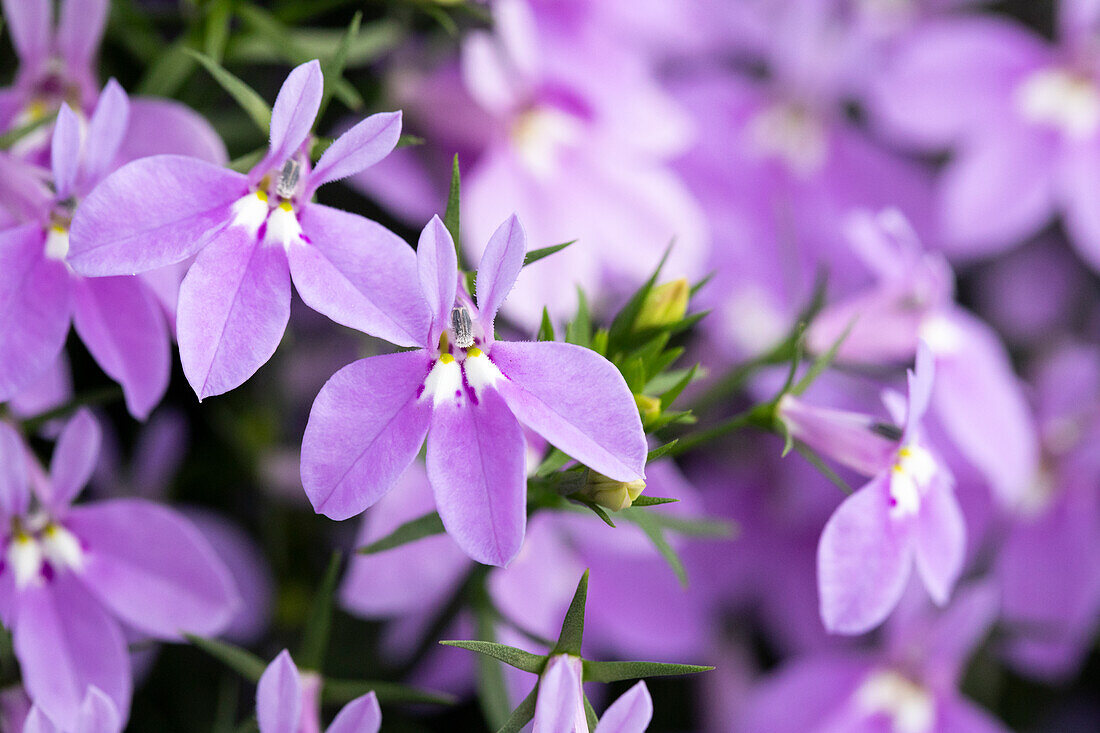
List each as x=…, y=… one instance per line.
x=771, y=141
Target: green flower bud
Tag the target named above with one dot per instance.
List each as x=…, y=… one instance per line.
x=665, y=305
x=611, y=494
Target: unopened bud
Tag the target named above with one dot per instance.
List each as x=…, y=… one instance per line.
x=649, y=407
x=665, y=305
x=612, y=494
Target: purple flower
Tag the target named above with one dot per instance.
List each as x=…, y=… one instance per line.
x=98, y=714
x=288, y=701
x=468, y=393
x=118, y=318
x=251, y=233
x=906, y=514
x=74, y=577
x=559, y=707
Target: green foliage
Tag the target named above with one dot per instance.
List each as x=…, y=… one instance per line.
x=411, y=531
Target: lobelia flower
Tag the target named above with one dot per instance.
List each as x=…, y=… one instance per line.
x=288, y=701
x=118, y=318
x=1021, y=117
x=468, y=393
x=251, y=234
x=56, y=65
x=908, y=684
x=559, y=707
x=98, y=714
x=906, y=514
x=75, y=577
x=978, y=398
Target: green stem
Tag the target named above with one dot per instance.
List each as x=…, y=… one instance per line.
x=761, y=417
x=101, y=396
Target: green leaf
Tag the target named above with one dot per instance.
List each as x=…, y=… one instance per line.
x=339, y=692
x=492, y=693
x=247, y=97
x=451, y=217
x=695, y=526
x=246, y=162
x=511, y=656
x=619, y=671
x=816, y=461
x=333, y=68
x=623, y=323
x=572, y=626
x=546, y=328
x=315, y=636
x=537, y=254
x=647, y=523
x=170, y=68
x=11, y=137
x=219, y=13
x=644, y=500
x=242, y=661
x=661, y=451
x=553, y=461
x=579, y=330
x=590, y=713
x=411, y=531
x=669, y=395
x=599, y=342
x=633, y=370
x=596, y=509
x=522, y=715
x=374, y=40
x=408, y=141
x=822, y=362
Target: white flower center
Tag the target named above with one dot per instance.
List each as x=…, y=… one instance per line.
x=33, y=545
x=445, y=380
x=791, y=133
x=282, y=226
x=942, y=336
x=57, y=243
x=1061, y=99
x=252, y=211
x=910, y=475
x=540, y=135
x=910, y=707
x=25, y=558
x=61, y=548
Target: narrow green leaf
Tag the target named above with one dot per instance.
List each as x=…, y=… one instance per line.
x=492, y=692
x=537, y=254
x=408, y=141
x=599, y=342
x=619, y=671
x=339, y=692
x=623, y=323
x=695, y=526
x=823, y=361
x=333, y=68
x=451, y=216
x=440, y=16
x=311, y=654
x=702, y=283
x=168, y=71
x=572, y=626
x=553, y=461
x=596, y=509
x=242, y=661
x=511, y=656
x=661, y=451
x=579, y=330
x=644, y=500
x=815, y=460
x=247, y=97
x=11, y=137
x=374, y=40
x=219, y=13
x=590, y=714
x=669, y=395
x=411, y=531
x=522, y=715
x=245, y=163
x=646, y=522
x=546, y=328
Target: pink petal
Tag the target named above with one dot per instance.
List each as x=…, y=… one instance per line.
x=358, y=149
x=153, y=569
x=939, y=541
x=233, y=309
x=98, y=713
x=15, y=493
x=30, y=23
x=167, y=127
x=123, y=327
x=65, y=151
x=437, y=267
x=1080, y=179
x=80, y=30
x=279, y=696
x=73, y=460
x=106, y=130
x=559, y=698
x=499, y=268
x=477, y=470
x=361, y=715
x=578, y=401
x=863, y=561
x=920, y=380
x=631, y=713
x=37, y=722
x=359, y=274
x=365, y=428
x=295, y=110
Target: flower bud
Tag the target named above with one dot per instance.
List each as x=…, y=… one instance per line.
x=649, y=407
x=665, y=305
x=611, y=494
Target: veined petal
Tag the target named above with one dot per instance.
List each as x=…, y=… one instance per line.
x=437, y=266
x=499, y=268
x=106, y=130
x=15, y=493
x=361, y=715
x=153, y=569
x=150, y=213
x=98, y=713
x=34, y=307
x=631, y=713
x=65, y=151
x=476, y=465
x=358, y=149
x=559, y=697
x=123, y=327
x=65, y=641
x=29, y=23
x=366, y=426
x=920, y=380
x=279, y=696
x=233, y=309
x=73, y=460
x=577, y=400
x=939, y=540
x=164, y=126
x=359, y=274
x=295, y=109
x=863, y=561
x=80, y=29
x=37, y=722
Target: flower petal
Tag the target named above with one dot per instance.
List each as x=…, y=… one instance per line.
x=359, y=148
x=153, y=569
x=499, y=267
x=73, y=460
x=123, y=327
x=939, y=540
x=863, y=561
x=279, y=696
x=577, y=400
x=361, y=715
x=920, y=379
x=98, y=713
x=34, y=307
x=29, y=23
x=558, y=698
x=295, y=110
x=167, y=127
x=233, y=309
x=437, y=267
x=476, y=465
x=65, y=151
x=150, y=213
x=106, y=130
x=359, y=274
x=65, y=641
x=37, y=722
x=365, y=428
x=631, y=713
x=15, y=493
x=80, y=29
